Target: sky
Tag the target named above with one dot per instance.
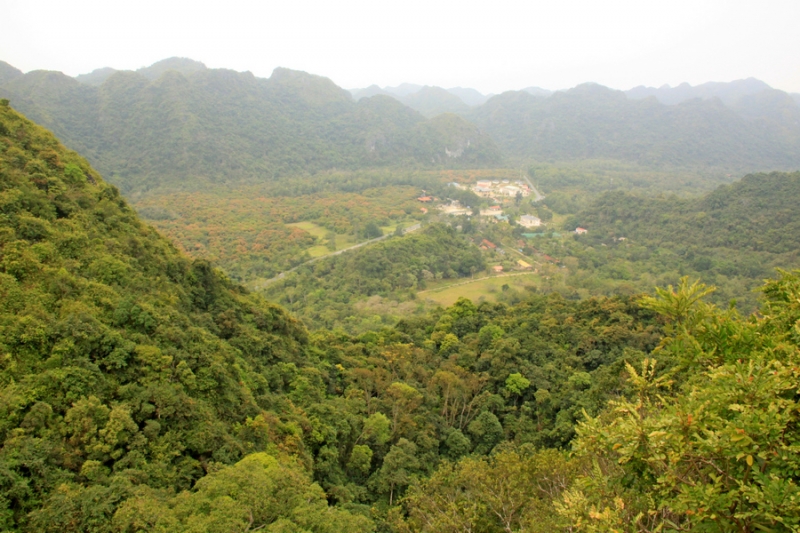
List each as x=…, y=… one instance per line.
x=490, y=45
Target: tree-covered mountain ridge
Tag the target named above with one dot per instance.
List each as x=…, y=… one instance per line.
x=761, y=132
x=754, y=214
x=180, y=124
x=180, y=127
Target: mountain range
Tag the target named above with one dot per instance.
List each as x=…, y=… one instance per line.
x=729, y=92
x=178, y=123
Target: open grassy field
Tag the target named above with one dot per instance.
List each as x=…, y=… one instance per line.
x=480, y=289
x=342, y=241
x=314, y=229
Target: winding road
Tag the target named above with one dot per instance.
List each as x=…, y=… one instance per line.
x=260, y=285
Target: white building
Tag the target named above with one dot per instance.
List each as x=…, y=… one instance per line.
x=484, y=192
x=529, y=221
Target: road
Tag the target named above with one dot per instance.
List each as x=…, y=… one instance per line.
x=259, y=286
x=537, y=196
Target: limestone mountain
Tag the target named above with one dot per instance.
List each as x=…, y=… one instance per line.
x=593, y=122
x=729, y=93
x=432, y=101
x=7, y=72
x=469, y=96
x=196, y=125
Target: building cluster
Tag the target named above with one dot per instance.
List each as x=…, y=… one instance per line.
x=501, y=189
x=496, y=190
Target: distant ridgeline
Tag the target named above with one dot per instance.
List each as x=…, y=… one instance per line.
x=180, y=124
x=758, y=132
x=177, y=122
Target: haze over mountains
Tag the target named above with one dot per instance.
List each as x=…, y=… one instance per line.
x=178, y=123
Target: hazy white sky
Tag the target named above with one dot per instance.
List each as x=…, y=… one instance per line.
x=491, y=45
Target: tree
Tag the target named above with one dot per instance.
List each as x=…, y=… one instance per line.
x=398, y=469
x=372, y=231
x=720, y=454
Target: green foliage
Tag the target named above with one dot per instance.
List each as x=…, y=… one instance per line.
x=334, y=288
x=258, y=492
x=718, y=455
x=512, y=490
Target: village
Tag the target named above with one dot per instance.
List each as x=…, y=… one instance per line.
x=499, y=193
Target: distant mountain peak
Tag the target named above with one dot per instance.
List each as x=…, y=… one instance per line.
x=97, y=76
x=184, y=65
x=313, y=89
x=404, y=89
x=8, y=73
x=537, y=91
x=728, y=92
x=372, y=90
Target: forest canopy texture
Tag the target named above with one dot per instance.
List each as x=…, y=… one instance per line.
x=143, y=391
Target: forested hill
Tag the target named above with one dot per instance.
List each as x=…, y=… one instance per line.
x=163, y=126
x=125, y=369
x=760, y=132
x=756, y=213
x=733, y=237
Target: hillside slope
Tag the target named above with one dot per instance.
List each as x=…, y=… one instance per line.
x=127, y=372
